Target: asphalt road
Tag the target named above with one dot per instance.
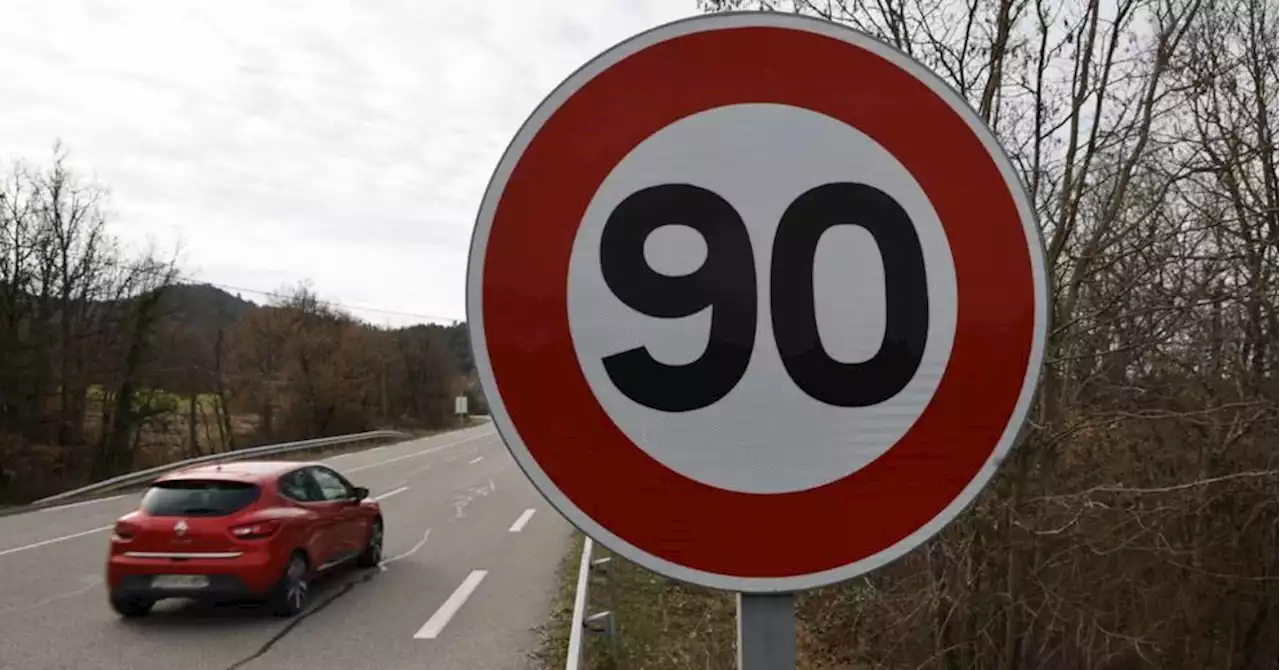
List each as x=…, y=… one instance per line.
x=469, y=571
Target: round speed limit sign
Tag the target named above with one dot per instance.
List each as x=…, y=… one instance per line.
x=757, y=301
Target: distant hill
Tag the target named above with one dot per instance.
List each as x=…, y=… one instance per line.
x=203, y=308
x=200, y=309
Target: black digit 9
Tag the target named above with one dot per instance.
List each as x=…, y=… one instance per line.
x=726, y=282
x=795, y=322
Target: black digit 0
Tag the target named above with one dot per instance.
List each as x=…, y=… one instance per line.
x=795, y=324
x=726, y=282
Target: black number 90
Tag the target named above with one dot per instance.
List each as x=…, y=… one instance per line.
x=726, y=282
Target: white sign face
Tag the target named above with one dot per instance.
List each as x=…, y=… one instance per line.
x=766, y=435
x=460, y=405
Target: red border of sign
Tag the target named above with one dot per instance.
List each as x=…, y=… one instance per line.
x=618, y=485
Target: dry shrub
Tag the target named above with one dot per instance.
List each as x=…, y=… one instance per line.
x=1110, y=567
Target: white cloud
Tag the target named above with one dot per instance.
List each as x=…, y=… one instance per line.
x=347, y=142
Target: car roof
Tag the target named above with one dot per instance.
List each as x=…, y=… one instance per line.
x=243, y=471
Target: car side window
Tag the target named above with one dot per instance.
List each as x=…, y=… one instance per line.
x=331, y=485
x=299, y=486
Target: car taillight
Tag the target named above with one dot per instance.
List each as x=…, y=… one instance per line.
x=255, y=530
x=123, y=531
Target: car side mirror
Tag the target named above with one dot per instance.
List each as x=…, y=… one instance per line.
x=361, y=493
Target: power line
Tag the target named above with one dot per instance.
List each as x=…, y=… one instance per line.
x=191, y=279
x=330, y=303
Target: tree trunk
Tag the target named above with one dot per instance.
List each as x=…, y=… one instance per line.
x=193, y=441
x=115, y=454
x=226, y=437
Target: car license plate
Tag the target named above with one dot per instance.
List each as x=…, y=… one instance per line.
x=179, y=581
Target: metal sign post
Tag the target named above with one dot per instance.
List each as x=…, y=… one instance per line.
x=766, y=631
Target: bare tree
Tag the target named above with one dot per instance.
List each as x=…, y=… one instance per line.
x=138, y=311
x=100, y=352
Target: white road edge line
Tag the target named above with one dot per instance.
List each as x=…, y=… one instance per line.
x=415, y=454
x=83, y=503
x=390, y=493
x=420, y=468
x=475, y=460
x=51, y=599
x=440, y=619
x=91, y=531
x=522, y=521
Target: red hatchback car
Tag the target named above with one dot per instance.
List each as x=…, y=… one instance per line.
x=251, y=530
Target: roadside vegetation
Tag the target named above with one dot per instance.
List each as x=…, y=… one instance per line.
x=112, y=361
x=553, y=635
x=1134, y=525
x=663, y=624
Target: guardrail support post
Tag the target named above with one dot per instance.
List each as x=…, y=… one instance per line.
x=603, y=622
x=600, y=623
x=603, y=566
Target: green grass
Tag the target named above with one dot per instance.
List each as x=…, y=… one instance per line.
x=156, y=397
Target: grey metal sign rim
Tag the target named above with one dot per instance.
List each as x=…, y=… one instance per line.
x=511, y=434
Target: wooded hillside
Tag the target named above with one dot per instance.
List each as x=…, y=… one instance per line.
x=110, y=361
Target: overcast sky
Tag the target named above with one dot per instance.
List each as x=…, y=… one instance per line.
x=347, y=142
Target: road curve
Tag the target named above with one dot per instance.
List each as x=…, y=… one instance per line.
x=468, y=573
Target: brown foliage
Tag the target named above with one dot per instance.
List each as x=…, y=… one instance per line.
x=313, y=370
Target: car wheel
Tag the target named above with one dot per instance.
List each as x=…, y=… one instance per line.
x=131, y=607
x=372, y=554
x=292, y=592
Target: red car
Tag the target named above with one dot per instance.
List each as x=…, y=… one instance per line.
x=252, y=530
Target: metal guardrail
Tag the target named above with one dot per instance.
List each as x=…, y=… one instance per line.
x=144, y=476
x=602, y=622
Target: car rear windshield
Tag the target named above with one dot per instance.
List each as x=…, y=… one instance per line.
x=198, y=498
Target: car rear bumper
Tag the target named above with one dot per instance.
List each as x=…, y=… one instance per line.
x=248, y=574
x=221, y=587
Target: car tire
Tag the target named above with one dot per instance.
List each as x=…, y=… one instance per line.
x=293, y=591
x=131, y=608
x=372, y=554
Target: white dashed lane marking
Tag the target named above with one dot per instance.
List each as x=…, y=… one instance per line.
x=435, y=625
